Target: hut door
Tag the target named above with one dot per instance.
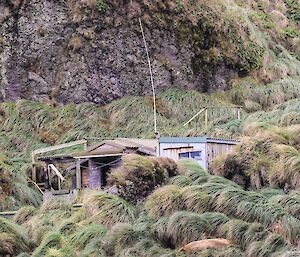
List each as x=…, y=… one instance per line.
x=95, y=178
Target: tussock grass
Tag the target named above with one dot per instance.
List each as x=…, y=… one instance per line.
x=24, y=214
x=13, y=239
x=107, y=209
x=269, y=157
x=123, y=236
x=185, y=227
x=51, y=240
x=194, y=200
x=85, y=234
x=164, y=201
x=138, y=175
x=181, y=181
x=290, y=204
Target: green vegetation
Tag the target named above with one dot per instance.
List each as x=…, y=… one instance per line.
x=139, y=176
x=172, y=216
x=276, y=103
x=270, y=156
x=252, y=198
x=101, y=5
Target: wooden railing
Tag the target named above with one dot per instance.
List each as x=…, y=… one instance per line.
x=205, y=109
x=51, y=149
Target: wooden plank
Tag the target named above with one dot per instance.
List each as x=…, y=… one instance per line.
x=197, y=114
x=94, y=174
x=52, y=148
x=58, y=147
x=78, y=174
x=58, y=174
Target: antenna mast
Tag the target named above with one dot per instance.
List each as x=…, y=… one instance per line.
x=151, y=77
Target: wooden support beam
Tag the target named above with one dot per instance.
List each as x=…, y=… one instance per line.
x=238, y=109
x=197, y=114
x=49, y=176
x=56, y=171
x=78, y=174
x=58, y=147
x=206, y=118
x=33, y=174
x=50, y=149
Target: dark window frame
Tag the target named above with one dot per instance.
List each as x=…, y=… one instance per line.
x=189, y=155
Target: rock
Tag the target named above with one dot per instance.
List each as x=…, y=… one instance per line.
x=98, y=58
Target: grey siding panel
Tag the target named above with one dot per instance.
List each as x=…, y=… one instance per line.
x=94, y=175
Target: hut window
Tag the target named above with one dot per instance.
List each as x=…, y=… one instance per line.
x=192, y=155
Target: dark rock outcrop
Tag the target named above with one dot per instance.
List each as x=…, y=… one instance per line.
x=69, y=51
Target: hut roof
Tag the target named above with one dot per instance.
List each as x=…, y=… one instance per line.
x=119, y=145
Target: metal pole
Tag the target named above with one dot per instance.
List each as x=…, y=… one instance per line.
x=206, y=118
x=151, y=76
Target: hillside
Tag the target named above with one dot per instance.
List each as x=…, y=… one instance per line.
x=77, y=69
x=92, y=50
x=194, y=206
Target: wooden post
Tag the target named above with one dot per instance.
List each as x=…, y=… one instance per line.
x=206, y=118
x=49, y=175
x=78, y=174
x=239, y=113
x=33, y=174
x=59, y=183
x=47, y=182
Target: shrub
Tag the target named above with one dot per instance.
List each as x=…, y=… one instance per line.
x=138, y=176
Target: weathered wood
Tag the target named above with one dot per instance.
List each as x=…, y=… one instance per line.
x=50, y=149
x=213, y=150
x=214, y=107
x=95, y=179
x=78, y=174
x=33, y=175
x=56, y=171
x=37, y=185
x=8, y=214
x=58, y=147
x=239, y=113
x=195, y=116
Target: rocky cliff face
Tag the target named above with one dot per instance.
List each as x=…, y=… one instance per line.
x=74, y=51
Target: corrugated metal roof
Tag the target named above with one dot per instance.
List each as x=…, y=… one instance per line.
x=182, y=140
x=229, y=141
x=196, y=140
x=118, y=145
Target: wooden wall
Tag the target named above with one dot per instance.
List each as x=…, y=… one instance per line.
x=85, y=177
x=215, y=149
x=95, y=178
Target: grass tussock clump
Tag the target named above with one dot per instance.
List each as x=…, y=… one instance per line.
x=13, y=239
x=107, y=209
x=256, y=223
x=138, y=176
x=269, y=158
x=164, y=201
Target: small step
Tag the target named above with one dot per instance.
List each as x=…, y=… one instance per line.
x=60, y=192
